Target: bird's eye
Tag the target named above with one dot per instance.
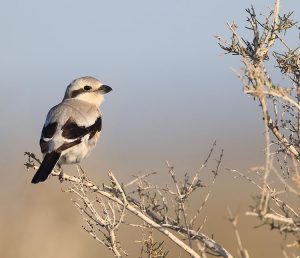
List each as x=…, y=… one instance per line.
x=87, y=87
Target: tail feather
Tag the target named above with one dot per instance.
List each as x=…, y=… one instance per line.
x=46, y=167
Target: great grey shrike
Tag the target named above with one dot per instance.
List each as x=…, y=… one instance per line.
x=73, y=127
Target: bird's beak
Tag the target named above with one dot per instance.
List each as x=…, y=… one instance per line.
x=104, y=89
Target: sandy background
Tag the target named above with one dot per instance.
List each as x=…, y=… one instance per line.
x=173, y=96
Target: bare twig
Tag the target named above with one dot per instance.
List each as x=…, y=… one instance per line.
x=113, y=214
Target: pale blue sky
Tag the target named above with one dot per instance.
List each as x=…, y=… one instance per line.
x=173, y=93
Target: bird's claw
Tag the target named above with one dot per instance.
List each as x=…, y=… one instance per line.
x=61, y=176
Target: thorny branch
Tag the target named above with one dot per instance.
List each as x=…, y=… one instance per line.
x=104, y=208
x=280, y=106
x=242, y=252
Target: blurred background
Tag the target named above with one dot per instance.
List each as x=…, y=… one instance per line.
x=174, y=94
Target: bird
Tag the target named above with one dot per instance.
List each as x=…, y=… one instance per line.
x=72, y=128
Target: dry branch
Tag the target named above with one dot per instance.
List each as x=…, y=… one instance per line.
x=280, y=106
x=151, y=208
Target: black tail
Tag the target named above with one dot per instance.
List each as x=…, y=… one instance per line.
x=46, y=167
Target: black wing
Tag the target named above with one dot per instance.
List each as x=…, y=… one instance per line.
x=71, y=130
x=49, y=130
x=47, y=133
x=96, y=127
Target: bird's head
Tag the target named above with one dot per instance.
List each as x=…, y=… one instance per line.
x=88, y=89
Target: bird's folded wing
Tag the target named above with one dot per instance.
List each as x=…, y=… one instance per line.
x=71, y=130
x=65, y=127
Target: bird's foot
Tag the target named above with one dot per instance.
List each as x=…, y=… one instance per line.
x=61, y=174
x=82, y=173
